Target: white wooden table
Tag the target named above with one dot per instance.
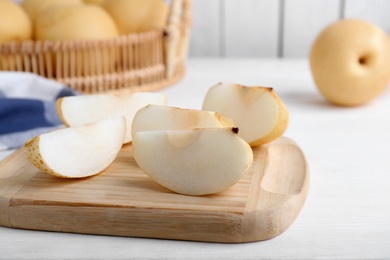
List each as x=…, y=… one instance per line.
x=347, y=212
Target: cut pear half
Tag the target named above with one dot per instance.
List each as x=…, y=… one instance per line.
x=258, y=111
x=155, y=117
x=77, y=152
x=193, y=162
x=79, y=110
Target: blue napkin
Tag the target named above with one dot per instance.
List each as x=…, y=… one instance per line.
x=27, y=107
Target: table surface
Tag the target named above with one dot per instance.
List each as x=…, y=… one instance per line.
x=347, y=211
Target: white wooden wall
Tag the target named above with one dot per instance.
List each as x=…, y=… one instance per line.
x=272, y=28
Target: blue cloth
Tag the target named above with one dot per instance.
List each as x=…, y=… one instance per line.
x=27, y=107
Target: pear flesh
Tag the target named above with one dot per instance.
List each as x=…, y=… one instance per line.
x=193, y=162
x=77, y=152
x=79, y=110
x=155, y=117
x=258, y=112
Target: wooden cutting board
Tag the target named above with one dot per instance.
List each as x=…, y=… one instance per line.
x=123, y=201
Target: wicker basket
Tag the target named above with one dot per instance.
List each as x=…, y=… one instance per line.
x=137, y=62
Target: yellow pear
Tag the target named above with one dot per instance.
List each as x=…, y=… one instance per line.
x=157, y=117
x=258, y=112
x=96, y=2
x=193, y=161
x=35, y=7
x=133, y=16
x=350, y=62
x=77, y=152
x=83, y=109
x=75, y=22
x=15, y=25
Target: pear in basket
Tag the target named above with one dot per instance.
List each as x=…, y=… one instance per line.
x=15, y=25
x=79, y=22
x=97, y=2
x=133, y=16
x=34, y=7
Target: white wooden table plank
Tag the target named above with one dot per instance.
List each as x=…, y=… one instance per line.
x=205, y=31
x=347, y=212
x=303, y=20
x=251, y=28
x=374, y=11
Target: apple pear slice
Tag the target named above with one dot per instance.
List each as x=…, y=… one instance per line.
x=193, y=162
x=258, y=111
x=155, y=117
x=77, y=152
x=79, y=110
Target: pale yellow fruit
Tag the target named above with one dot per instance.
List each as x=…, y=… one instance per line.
x=155, y=117
x=96, y=2
x=79, y=110
x=258, y=112
x=35, y=7
x=15, y=25
x=79, y=22
x=193, y=161
x=132, y=16
x=77, y=152
x=350, y=62
x=75, y=22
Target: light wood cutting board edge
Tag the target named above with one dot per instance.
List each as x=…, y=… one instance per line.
x=261, y=222
x=256, y=222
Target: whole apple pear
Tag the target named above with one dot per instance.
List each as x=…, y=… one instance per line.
x=350, y=62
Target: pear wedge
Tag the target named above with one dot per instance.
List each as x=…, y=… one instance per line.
x=77, y=152
x=79, y=110
x=258, y=112
x=194, y=161
x=155, y=117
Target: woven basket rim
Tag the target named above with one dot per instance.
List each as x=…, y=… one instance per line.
x=144, y=60
x=147, y=35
